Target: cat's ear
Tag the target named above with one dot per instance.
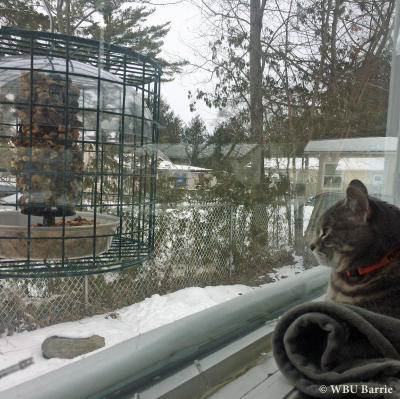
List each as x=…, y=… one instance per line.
x=357, y=200
x=358, y=184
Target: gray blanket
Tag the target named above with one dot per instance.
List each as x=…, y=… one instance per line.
x=330, y=350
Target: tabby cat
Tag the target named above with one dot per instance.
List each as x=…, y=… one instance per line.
x=359, y=237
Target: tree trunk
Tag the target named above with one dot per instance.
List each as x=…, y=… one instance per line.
x=256, y=79
x=259, y=219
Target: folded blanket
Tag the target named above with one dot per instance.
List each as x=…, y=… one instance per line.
x=331, y=350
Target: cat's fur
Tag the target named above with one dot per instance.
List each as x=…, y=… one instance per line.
x=358, y=232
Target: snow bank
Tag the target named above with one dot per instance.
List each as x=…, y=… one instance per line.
x=123, y=324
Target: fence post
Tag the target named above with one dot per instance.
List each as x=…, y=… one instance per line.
x=231, y=265
x=86, y=293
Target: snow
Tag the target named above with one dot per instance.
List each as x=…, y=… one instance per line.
x=187, y=168
x=356, y=145
x=364, y=164
x=120, y=325
x=130, y=321
x=11, y=199
x=289, y=270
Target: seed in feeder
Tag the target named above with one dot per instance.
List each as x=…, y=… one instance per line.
x=35, y=180
x=75, y=134
x=50, y=151
x=20, y=180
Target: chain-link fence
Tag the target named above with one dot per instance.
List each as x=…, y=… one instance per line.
x=195, y=245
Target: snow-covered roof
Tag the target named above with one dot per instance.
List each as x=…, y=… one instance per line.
x=365, y=164
x=353, y=145
x=168, y=165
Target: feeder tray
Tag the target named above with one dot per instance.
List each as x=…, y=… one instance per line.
x=49, y=214
x=46, y=242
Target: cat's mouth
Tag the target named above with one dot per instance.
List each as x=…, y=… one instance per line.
x=336, y=260
x=322, y=258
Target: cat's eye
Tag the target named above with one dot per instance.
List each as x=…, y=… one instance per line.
x=325, y=231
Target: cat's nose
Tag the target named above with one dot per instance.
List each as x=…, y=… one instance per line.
x=312, y=247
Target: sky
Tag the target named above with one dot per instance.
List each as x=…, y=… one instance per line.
x=182, y=41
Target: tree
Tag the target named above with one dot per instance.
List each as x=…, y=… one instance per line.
x=318, y=60
x=318, y=68
x=256, y=80
x=70, y=16
x=124, y=24
x=228, y=133
x=171, y=127
x=18, y=13
x=195, y=138
x=118, y=22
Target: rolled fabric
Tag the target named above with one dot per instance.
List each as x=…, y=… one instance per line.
x=332, y=350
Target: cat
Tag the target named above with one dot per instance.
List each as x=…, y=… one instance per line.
x=359, y=237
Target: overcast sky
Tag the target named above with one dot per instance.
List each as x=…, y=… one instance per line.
x=186, y=24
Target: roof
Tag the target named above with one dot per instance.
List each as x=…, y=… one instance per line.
x=359, y=145
x=178, y=151
x=168, y=165
x=364, y=164
x=173, y=150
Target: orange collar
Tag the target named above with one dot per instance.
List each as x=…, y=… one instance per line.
x=394, y=253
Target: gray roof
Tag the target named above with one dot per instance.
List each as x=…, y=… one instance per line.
x=359, y=145
x=239, y=151
x=175, y=151
x=178, y=151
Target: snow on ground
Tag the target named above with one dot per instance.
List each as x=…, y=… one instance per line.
x=130, y=321
x=289, y=270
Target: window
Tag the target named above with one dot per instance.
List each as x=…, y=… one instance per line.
x=255, y=141
x=332, y=178
x=377, y=180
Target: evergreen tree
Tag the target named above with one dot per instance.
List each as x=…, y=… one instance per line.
x=171, y=126
x=21, y=14
x=195, y=139
x=124, y=25
x=119, y=22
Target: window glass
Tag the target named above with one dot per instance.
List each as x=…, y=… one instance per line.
x=265, y=113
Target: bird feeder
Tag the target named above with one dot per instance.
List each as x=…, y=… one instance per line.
x=78, y=134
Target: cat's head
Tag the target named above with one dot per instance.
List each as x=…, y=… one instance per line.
x=344, y=230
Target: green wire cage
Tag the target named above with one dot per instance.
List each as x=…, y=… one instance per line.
x=78, y=135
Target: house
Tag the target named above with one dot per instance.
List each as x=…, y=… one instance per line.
x=369, y=159
x=184, y=175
